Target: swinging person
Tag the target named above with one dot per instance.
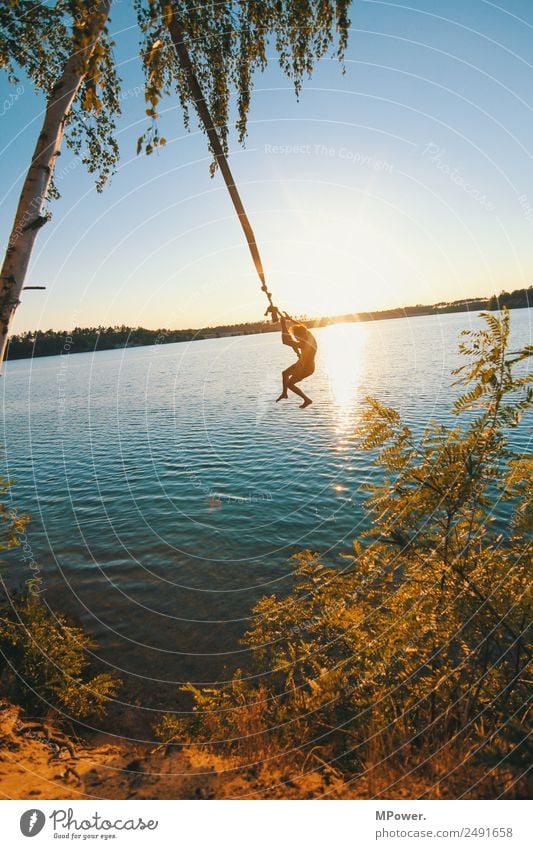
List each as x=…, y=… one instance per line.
x=302, y=341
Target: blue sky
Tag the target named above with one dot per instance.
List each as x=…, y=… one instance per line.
x=409, y=179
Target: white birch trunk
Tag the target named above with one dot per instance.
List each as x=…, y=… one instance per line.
x=28, y=217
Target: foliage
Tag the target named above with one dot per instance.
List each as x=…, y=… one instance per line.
x=37, y=38
x=227, y=43
x=31, y=36
x=408, y=667
x=91, y=125
x=43, y=658
x=45, y=661
x=12, y=523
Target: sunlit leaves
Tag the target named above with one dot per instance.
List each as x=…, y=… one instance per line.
x=228, y=43
x=12, y=522
x=32, y=37
x=38, y=38
x=46, y=662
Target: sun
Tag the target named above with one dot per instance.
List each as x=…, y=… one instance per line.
x=333, y=265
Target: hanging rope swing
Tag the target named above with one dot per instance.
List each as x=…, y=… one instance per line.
x=177, y=35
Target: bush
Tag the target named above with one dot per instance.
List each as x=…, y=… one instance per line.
x=43, y=659
x=45, y=663
x=12, y=523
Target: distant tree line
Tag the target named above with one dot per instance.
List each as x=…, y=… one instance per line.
x=516, y=299
x=49, y=343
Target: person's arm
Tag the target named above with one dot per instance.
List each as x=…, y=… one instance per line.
x=286, y=336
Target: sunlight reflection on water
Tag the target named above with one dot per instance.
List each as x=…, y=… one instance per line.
x=343, y=351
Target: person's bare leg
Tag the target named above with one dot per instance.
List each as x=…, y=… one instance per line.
x=297, y=391
x=285, y=375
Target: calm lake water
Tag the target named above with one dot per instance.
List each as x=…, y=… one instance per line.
x=168, y=489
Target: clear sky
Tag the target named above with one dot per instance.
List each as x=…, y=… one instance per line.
x=407, y=180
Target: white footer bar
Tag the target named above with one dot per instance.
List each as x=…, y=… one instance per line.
x=267, y=824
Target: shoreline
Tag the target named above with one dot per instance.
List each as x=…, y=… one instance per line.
x=40, y=760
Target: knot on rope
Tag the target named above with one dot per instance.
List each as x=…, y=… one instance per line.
x=274, y=313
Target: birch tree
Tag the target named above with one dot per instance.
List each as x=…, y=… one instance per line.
x=65, y=51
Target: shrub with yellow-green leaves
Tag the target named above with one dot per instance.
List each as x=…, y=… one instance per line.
x=44, y=661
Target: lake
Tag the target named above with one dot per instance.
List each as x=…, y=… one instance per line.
x=168, y=490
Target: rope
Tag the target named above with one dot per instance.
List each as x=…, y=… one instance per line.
x=177, y=35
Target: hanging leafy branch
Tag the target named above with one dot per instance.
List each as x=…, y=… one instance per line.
x=227, y=43
x=32, y=37
x=38, y=38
